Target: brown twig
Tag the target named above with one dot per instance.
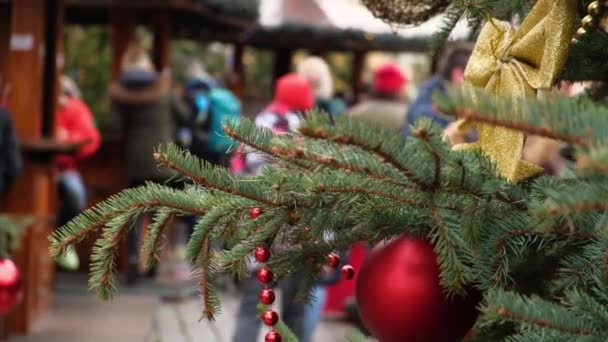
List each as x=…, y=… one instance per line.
x=540, y=131
x=148, y=254
x=503, y=312
x=333, y=163
x=424, y=136
x=367, y=191
x=384, y=157
x=580, y=206
x=235, y=135
x=204, y=283
x=101, y=222
x=204, y=182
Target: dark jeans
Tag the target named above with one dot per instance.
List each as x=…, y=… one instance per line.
x=292, y=313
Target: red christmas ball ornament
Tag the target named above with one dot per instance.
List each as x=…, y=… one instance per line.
x=10, y=286
x=265, y=275
x=400, y=298
x=254, y=213
x=270, y=317
x=348, y=272
x=273, y=336
x=262, y=254
x=267, y=296
x=333, y=260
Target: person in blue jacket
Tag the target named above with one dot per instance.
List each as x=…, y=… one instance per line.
x=450, y=71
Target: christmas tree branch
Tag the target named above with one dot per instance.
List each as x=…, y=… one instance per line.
x=148, y=197
x=211, y=304
x=577, y=121
x=374, y=144
x=151, y=246
x=207, y=175
x=260, y=138
x=534, y=312
x=331, y=162
x=426, y=137
x=103, y=265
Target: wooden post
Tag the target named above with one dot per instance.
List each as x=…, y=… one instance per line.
x=357, y=74
x=161, y=27
x=282, y=63
x=238, y=70
x=34, y=191
x=123, y=23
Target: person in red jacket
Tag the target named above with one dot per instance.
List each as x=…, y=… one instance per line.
x=75, y=125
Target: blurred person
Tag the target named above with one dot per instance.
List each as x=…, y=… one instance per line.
x=75, y=125
x=318, y=73
x=386, y=104
x=210, y=105
x=293, y=97
x=450, y=70
x=141, y=97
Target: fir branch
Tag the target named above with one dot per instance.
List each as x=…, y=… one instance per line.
x=546, y=132
x=577, y=121
x=103, y=264
x=453, y=254
x=321, y=188
x=246, y=132
x=156, y=230
x=331, y=162
x=209, y=306
x=384, y=157
x=148, y=197
x=204, y=174
x=452, y=16
x=534, y=312
x=425, y=136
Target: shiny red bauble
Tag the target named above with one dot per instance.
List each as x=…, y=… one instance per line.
x=10, y=286
x=400, y=298
x=254, y=213
x=270, y=317
x=262, y=254
x=348, y=272
x=273, y=336
x=333, y=260
x=267, y=296
x=265, y=275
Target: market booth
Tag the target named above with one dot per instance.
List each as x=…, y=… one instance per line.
x=31, y=58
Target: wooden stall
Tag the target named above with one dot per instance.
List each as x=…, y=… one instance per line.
x=31, y=58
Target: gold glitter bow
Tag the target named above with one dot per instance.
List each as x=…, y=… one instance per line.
x=514, y=63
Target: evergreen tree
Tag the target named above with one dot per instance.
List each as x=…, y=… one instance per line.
x=536, y=249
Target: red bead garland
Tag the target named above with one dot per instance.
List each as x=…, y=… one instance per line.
x=262, y=254
x=254, y=213
x=267, y=296
x=270, y=317
x=265, y=275
x=273, y=336
x=333, y=260
x=348, y=272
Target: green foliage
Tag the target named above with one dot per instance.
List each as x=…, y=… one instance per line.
x=11, y=229
x=88, y=62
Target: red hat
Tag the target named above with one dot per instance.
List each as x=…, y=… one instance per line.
x=294, y=91
x=389, y=78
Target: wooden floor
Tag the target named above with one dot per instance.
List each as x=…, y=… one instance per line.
x=138, y=314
